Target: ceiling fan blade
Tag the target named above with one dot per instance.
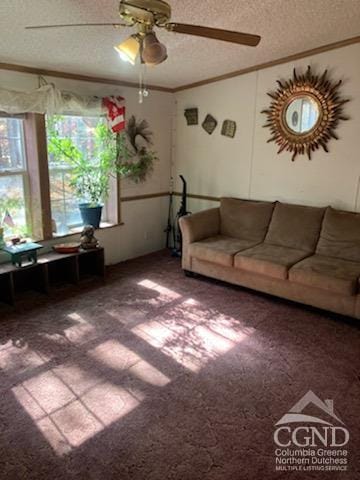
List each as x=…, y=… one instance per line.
x=38, y=27
x=215, y=33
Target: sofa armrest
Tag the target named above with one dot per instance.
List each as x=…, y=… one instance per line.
x=200, y=225
x=195, y=227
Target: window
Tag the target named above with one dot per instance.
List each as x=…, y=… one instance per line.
x=64, y=204
x=36, y=197
x=14, y=215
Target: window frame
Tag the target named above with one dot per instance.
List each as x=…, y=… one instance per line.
x=22, y=172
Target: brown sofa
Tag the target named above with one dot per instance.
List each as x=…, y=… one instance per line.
x=306, y=254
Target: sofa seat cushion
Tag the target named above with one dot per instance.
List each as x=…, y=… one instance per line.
x=271, y=260
x=219, y=249
x=328, y=273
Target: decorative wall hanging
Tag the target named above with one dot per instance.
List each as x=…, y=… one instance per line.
x=115, y=112
x=136, y=158
x=304, y=113
x=209, y=124
x=228, y=128
x=191, y=115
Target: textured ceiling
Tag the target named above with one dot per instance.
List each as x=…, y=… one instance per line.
x=286, y=26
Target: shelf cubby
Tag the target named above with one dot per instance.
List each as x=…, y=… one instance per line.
x=51, y=270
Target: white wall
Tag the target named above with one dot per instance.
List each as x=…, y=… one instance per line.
x=249, y=167
x=144, y=220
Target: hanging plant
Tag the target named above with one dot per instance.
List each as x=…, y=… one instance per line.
x=135, y=157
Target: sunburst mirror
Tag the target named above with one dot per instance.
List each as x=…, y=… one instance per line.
x=304, y=113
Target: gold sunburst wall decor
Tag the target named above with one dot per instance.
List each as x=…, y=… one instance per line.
x=304, y=113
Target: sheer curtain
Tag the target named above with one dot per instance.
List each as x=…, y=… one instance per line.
x=48, y=99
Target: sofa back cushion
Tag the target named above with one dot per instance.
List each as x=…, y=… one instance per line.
x=295, y=226
x=340, y=235
x=245, y=219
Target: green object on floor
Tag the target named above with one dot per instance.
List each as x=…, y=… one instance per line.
x=27, y=251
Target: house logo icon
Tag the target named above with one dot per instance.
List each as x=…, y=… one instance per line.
x=297, y=429
x=296, y=414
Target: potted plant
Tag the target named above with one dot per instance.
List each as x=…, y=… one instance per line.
x=125, y=154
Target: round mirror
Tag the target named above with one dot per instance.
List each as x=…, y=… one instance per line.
x=302, y=114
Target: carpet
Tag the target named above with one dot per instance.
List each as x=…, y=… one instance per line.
x=153, y=375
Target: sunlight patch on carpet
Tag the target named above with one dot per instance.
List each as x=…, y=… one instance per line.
x=193, y=335
x=164, y=294
x=82, y=330
x=114, y=355
x=67, y=419
x=19, y=358
x=149, y=374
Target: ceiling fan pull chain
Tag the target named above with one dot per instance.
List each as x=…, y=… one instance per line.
x=143, y=91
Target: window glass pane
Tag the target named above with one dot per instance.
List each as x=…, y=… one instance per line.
x=12, y=186
x=80, y=130
x=64, y=203
x=12, y=205
x=11, y=144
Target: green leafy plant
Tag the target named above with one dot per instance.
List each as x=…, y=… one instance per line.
x=121, y=154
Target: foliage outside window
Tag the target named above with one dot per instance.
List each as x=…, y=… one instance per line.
x=14, y=215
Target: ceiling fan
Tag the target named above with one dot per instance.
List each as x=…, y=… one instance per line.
x=147, y=14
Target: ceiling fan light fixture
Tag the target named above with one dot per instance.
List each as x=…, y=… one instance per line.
x=129, y=49
x=153, y=52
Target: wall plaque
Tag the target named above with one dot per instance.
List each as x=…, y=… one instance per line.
x=209, y=124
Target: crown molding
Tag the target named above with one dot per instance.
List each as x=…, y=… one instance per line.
x=272, y=63
x=75, y=76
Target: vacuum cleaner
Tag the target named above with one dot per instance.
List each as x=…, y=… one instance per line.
x=173, y=233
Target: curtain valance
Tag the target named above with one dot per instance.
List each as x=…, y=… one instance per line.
x=47, y=99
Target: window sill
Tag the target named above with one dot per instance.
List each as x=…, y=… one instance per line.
x=103, y=226
x=78, y=230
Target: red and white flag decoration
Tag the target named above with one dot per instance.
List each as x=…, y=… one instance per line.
x=115, y=110
x=8, y=220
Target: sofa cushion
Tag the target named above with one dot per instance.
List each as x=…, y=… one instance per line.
x=270, y=260
x=219, y=249
x=328, y=273
x=245, y=218
x=295, y=226
x=340, y=235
